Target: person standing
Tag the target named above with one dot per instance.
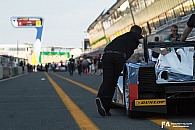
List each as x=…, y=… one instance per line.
x=53, y=66
x=92, y=67
x=95, y=65
x=115, y=55
x=71, y=65
x=46, y=67
x=85, y=65
x=79, y=66
x=100, y=64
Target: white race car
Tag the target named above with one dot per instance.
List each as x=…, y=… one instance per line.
x=148, y=87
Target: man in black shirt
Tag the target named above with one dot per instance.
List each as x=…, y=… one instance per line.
x=188, y=28
x=115, y=55
x=71, y=65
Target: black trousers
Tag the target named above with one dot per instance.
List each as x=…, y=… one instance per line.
x=71, y=69
x=112, y=65
x=79, y=69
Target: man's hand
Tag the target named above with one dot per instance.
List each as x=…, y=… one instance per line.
x=158, y=50
x=164, y=51
x=173, y=39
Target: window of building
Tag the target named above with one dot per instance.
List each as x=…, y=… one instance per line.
x=162, y=19
x=13, y=49
x=151, y=25
x=149, y=2
x=137, y=6
x=156, y=22
x=188, y=7
x=106, y=23
x=125, y=8
x=170, y=15
x=179, y=11
x=145, y=29
x=118, y=14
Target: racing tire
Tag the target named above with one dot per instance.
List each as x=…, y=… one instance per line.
x=130, y=113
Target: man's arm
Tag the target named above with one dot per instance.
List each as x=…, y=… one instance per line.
x=158, y=50
x=163, y=52
x=186, y=32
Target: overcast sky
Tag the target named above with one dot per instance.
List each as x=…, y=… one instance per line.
x=65, y=20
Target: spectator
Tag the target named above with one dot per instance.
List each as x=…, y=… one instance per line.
x=41, y=67
x=49, y=67
x=22, y=65
x=89, y=65
x=71, y=65
x=174, y=36
x=95, y=65
x=38, y=67
x=53, y=66
x=46, y=67
x=79, y=66
x=85, y=66
x=92, y=67
x=28, y=67
x=34, y=68
x=100, y=64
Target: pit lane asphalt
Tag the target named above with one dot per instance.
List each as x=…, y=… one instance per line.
x=29, y=103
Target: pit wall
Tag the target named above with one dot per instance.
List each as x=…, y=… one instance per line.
x=7, y=72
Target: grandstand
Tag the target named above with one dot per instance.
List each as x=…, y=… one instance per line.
x=154, y=16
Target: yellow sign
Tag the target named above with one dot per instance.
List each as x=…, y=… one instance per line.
x=38, y=23
x=34, y=61
x=150, y=102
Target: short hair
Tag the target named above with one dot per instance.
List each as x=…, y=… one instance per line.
x=156, y=39
x=136, y=29
x=174, y=26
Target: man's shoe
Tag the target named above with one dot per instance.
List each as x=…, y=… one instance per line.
x=108, y=114
x=100, y=107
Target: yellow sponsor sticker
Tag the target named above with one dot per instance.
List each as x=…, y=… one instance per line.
x=150, y=102
x=38, y=23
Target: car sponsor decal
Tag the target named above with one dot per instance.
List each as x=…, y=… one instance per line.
x=150, y=102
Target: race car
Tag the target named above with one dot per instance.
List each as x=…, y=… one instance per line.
x=148, y=87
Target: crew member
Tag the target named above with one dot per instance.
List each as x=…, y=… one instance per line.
x=115, y=55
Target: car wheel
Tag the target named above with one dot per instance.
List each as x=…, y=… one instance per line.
x=130, y=113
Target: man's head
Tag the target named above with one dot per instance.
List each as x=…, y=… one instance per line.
x=136, y=29
x=174, y=29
